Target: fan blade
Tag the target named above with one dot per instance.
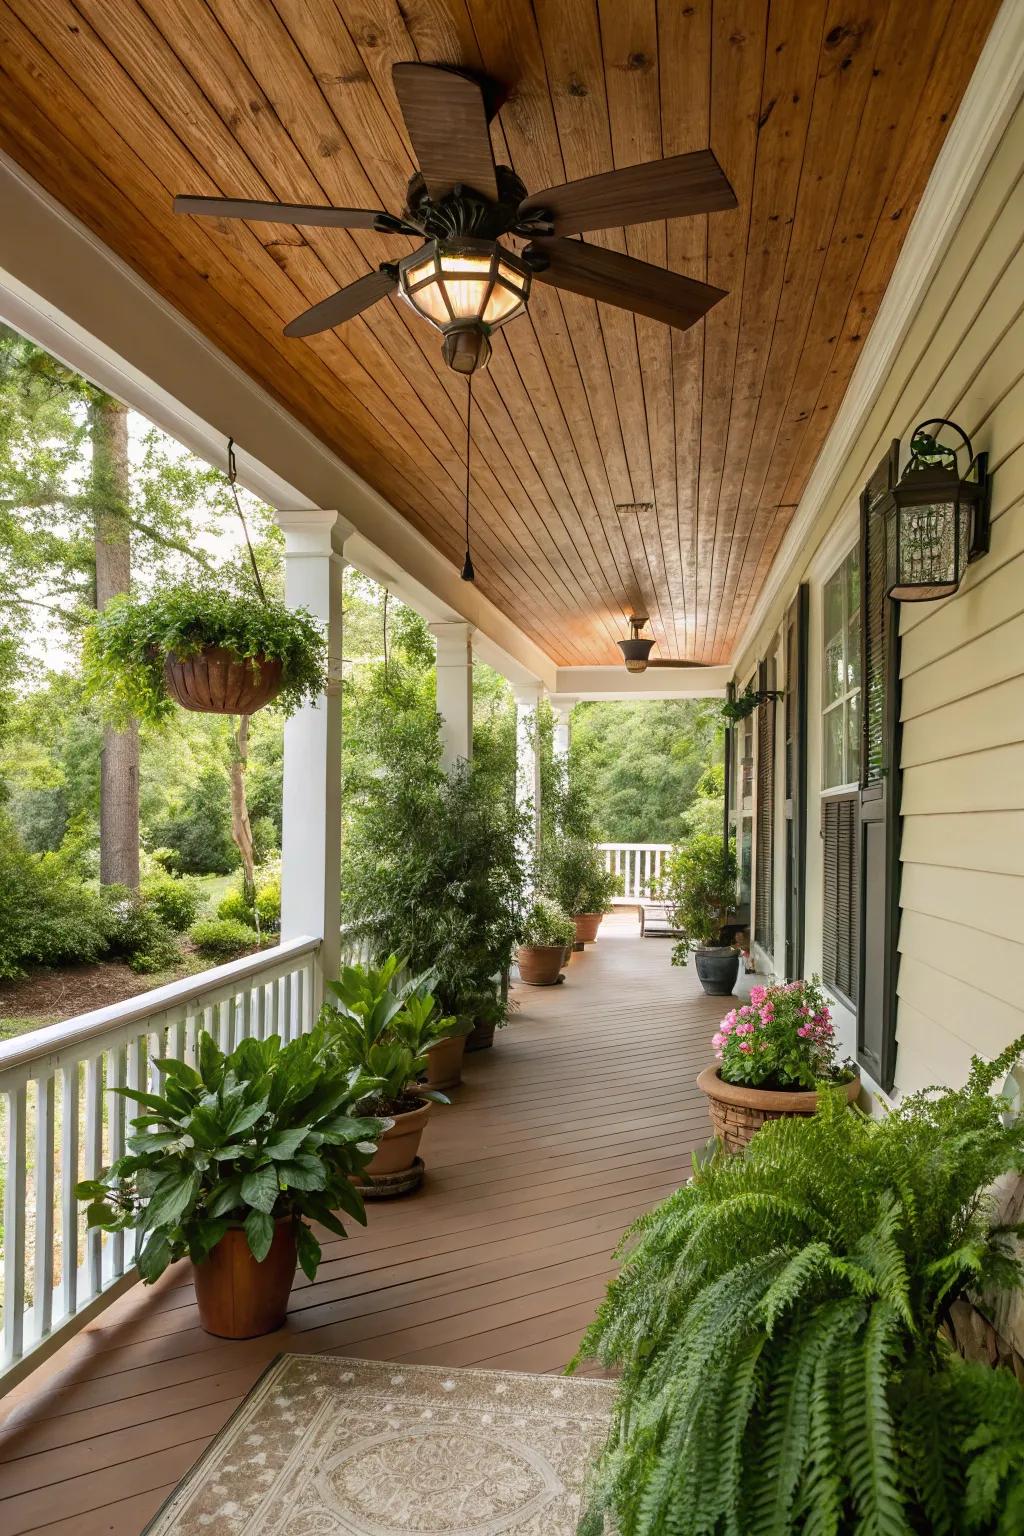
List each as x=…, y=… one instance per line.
x=446, y=115
x=655, y=661
x=616, y=279
x=342, y=305
x=658, y=189
x=277, y=213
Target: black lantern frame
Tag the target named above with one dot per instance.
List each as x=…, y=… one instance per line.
x=937, y=520
x=465, y=289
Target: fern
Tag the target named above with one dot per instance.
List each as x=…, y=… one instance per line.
x=776, y=1323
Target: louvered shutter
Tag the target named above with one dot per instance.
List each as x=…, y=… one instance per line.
x=840, y=923
x=879, y=785
x=764, y=895
x=797, y=630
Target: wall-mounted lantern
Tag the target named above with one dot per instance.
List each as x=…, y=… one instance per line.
x=938, y=518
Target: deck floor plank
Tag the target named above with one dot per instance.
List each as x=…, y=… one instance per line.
x=582, y=1117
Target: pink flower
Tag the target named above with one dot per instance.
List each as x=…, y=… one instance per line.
x=758, y=995
x=745, y=1045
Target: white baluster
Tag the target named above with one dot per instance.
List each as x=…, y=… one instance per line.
x=14, y=1228
x=136, y=1078
x=93, y=1167
x=68, y=1180
x=114, y=1251
x=43, y=1282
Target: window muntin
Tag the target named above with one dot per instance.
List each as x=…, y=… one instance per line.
x=840, y=694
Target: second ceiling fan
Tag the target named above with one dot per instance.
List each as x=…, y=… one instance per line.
x=463, y=280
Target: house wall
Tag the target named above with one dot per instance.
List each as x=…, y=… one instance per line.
x=961, y=937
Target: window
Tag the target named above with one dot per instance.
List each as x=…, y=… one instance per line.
x=840, y=695
x=745, y=807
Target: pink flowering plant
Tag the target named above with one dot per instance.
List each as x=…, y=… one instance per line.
x=781, y=1039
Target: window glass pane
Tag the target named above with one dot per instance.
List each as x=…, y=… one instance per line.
x=852, y=567
x=835, y=678
x=853, y=739
x=833, y=772
x=834, y=618
x=853, y=654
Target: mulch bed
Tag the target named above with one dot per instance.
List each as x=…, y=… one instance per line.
x=48, y=996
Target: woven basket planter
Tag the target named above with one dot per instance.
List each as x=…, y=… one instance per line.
x=215, y=682
x=737, y=1112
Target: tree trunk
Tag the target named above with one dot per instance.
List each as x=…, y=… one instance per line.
x=119, y=761
x=241, y=831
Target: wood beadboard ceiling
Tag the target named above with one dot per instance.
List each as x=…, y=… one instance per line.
x=616, y=462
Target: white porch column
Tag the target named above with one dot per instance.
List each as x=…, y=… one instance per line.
x=454, y=689
x=311, y=841
x=527, y=697
x=562, y=704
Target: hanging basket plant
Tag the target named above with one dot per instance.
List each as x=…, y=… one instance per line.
x=204, y=648
x=744, y=704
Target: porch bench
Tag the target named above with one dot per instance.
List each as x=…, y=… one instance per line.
x=654, y=919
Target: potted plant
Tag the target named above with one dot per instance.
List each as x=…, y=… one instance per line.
x=546, y=934
x=444, y=1057
x=229, y=1164
x=776, y=1052
x=487, y=1011
x=382, y=1031
x=698, y=886
x=574, y=876
x=781, y=1328
x=203, y=647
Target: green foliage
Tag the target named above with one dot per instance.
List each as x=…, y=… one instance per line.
x=175, y=900
x=264, y=911
x=135, y=930
x=777, y=1322
x=744, y=704
x=783, y=1039
x=643, y=760
x=197, y=831
x=574, y=876
x=127, y=643
x=47, y=917
x=244, y=1140
x=233, y=908
x=383, y=1028
x=222, y=938
x=546, y=924
x=698, y=885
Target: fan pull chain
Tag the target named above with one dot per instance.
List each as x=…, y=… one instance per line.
x=468, y=573
x=232, y=477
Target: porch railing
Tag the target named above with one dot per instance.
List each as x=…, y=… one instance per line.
x=61, y=1122
x=638, y=864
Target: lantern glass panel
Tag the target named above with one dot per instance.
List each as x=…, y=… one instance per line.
x=928, y=554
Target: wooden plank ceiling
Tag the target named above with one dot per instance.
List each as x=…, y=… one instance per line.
x=616, y=463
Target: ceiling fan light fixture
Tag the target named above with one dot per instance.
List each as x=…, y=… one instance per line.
x=460, y=283
x=637, y=649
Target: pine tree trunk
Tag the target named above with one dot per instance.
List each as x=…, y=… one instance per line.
x=119, y=761
x=241, y=831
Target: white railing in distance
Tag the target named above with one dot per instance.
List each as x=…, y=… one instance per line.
x=638, y=865
x=60, y=1122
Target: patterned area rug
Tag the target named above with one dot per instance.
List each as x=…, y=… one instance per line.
x=324, y=1446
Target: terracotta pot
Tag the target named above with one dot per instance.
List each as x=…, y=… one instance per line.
x=738, y=1111
x=717, y=970
x=540, y=965
x=238, y=1297
x=397, y=1148
x=587, y=924
x=444, y=1062
x=216, y=682
x=481, y=1037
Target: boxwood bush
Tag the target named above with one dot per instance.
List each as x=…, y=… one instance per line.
x=222, y=938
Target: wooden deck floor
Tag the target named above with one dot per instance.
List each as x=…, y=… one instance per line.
x=582, y=1116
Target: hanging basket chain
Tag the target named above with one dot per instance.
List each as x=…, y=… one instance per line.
x=232, y=477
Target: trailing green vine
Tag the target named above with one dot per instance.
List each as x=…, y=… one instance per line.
x=735, y=710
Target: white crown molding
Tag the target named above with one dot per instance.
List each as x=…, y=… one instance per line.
x=64, y=288
x=993, y=94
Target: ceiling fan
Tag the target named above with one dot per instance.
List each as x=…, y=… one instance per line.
x=462, y=279
x=636, y=651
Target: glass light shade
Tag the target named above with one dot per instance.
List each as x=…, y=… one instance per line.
x=936, y=520
x=457, y=283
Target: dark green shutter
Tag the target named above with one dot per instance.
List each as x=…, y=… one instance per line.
x=797, y=631
x=728, y=754
x=764, y=895
x=878, y=853
x=841, y=896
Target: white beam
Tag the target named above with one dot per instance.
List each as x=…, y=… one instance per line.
x=609, y=683
x=67, y=291
x=454, y=672
x=311, y=837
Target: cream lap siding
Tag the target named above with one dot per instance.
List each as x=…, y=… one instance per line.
x=961, y=937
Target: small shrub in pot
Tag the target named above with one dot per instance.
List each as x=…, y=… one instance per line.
x=574, y=876
x=698, y=886
x=547, y=933
x=230, y=1163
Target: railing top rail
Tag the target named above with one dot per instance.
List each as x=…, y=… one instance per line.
x=25, y=1050
x=637, y=847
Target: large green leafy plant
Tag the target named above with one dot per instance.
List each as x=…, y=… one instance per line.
x=573, y=874
x=698, y=885
x=546, y=925
x=382, y=1027
x=779, y=1326
x=239, y=1141
x=127, y=643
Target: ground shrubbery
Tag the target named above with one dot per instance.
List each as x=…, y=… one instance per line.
x=176, y=901
x=222, y=938
x=263, y=911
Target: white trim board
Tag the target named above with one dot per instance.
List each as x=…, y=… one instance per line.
x=993, y=94
x=610, y=683
x=67, y=291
